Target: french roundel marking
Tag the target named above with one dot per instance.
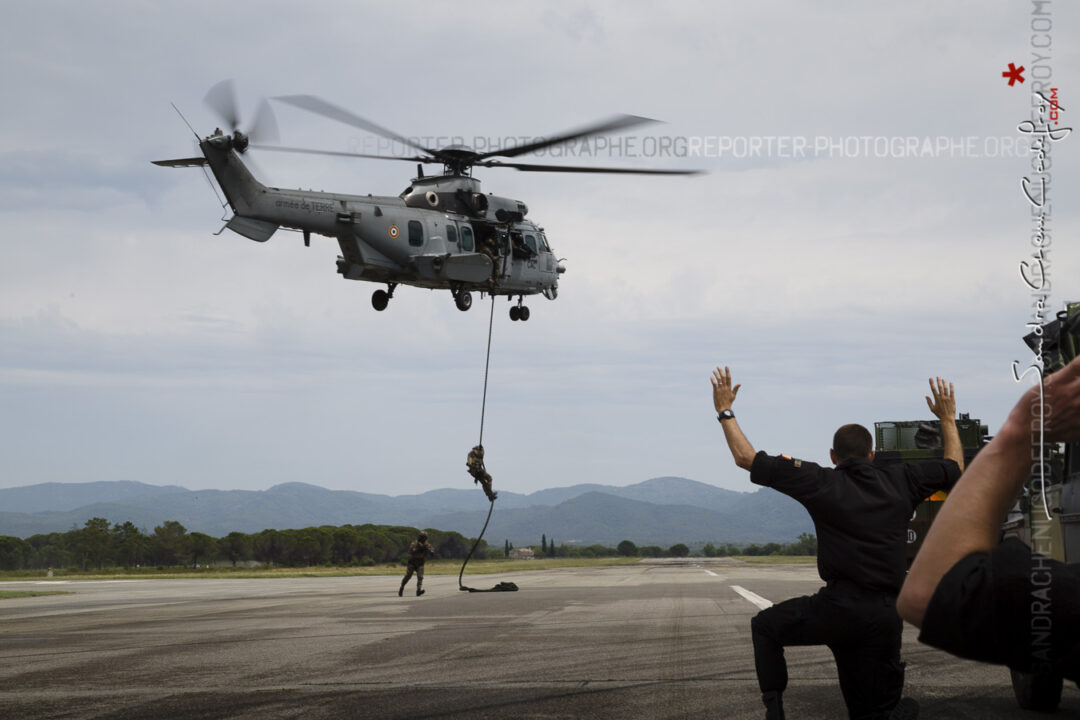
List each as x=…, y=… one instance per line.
x=393, y=232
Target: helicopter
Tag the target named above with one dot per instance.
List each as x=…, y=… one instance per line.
x=441, y=232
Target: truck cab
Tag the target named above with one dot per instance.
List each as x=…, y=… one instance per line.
x=898, y=441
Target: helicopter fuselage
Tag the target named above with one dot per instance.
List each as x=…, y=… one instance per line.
x=440, y=233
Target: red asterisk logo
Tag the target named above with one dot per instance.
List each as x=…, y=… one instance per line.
x=1014, y=73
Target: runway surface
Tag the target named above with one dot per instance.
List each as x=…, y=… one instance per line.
x=653, y=640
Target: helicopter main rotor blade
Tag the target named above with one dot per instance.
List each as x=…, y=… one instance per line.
x=532, y=167
x=310, y=151
x=328, y=110
x=265, y=126
x=617, y=122
x=222, y=100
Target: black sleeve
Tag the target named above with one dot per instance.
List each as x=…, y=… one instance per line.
x=926, y=478
x=1008, y=607
x=799, y=479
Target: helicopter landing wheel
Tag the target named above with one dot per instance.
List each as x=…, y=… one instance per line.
x=519, y=311
x=380, y=299
x=463, y=300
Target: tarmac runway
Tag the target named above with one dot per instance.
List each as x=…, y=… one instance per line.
x=652, y=640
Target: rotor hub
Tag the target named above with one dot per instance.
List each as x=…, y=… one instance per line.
x=458, y=160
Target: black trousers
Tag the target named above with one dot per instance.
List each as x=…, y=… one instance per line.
x=860, y=627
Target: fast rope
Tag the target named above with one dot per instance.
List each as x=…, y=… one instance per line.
x=480, y=475
x=487, y=364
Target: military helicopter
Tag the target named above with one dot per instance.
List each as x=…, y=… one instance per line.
x=441, y=232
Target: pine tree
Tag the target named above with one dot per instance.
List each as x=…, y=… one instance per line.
x=543, y=544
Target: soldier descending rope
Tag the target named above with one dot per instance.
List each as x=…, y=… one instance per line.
x=475, y=463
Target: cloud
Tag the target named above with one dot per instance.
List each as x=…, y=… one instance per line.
x=76, y=180
x=833, y=282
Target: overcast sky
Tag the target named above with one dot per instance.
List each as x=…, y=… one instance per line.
x=833, y=280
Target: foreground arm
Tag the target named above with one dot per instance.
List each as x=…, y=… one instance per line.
x=723, y=397
x=944, y=407
x=970, y=520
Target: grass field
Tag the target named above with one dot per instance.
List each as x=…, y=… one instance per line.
x=433, y=567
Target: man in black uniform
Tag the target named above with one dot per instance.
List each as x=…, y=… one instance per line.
x=1002, y=603
x=860, y=513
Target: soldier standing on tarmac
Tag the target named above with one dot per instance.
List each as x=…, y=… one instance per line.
x=419, y=550
x=860, y=513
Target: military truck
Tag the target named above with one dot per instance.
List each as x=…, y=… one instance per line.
x=917, y=440
x=1046, y=516
x=1056, y=536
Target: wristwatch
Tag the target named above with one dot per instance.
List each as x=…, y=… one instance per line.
x=724, y=415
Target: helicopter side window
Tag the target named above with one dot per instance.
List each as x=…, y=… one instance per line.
x=530, y=241
x=521, y=250
x=466, y=238
x=451, y=234
x=416, y=233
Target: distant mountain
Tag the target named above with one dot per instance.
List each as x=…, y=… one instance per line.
x=53, y=497
x=661, y=491
x=606, y=519
x=660, y=511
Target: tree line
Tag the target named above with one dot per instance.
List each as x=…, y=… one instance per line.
x=805, y=545
x=99, y=545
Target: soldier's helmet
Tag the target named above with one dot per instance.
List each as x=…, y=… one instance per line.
x=422, y=536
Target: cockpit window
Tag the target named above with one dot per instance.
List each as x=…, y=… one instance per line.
x=531, y=242
x=451, y=234
x=543, y=242
x=416, y=233
x=466, y=238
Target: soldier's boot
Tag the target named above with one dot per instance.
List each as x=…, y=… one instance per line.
x=906, y=709
x=419, y=592
x=774, y=705
x=401, y=590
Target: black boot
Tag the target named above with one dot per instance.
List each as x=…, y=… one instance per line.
x=906, y=709
x=401, y=590
x=774, y=705
x=419, y=592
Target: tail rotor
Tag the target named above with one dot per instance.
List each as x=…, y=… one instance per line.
x=221, y=98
